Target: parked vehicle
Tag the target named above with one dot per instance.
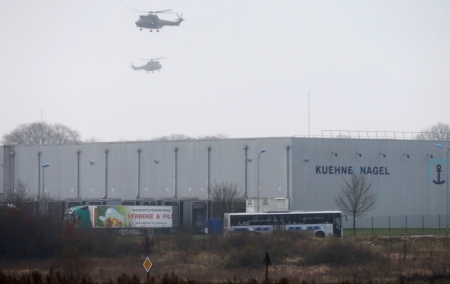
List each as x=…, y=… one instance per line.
x=314, y=223
x=149, y=218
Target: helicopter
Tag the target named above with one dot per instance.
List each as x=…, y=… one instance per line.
x=153, y=22
x=150, y=66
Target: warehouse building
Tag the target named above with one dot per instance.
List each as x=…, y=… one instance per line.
x=292, y=173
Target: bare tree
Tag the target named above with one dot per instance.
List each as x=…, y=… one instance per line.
x=439, y=131
x=213, y=137
x=92, y=140
x=223, y=195
x=41, y=133
x=18, y=196
x=173, y=137
x=179, y=137
x=356, y=197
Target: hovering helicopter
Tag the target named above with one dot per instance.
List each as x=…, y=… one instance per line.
x=153, y=22
x=150, y=66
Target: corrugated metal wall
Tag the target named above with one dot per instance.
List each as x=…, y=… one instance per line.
x=159, y=170
x=3, y=168
x=168, y=169
x=405, y=185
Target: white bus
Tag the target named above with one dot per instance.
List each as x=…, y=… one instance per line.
x=314, y=223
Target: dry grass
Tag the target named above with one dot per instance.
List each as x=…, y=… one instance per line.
x=295, y=259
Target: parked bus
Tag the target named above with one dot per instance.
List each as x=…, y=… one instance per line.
x=314, y=223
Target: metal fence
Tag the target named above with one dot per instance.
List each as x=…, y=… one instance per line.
x=407, y=224
x=358, y=134
x=362, y=134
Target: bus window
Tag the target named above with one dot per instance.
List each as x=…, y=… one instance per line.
x=281, y=218
x=314, y=220
x=237, y=220
x=306, y=219
x=288, y=219
x=328, y=219
x=257, y=217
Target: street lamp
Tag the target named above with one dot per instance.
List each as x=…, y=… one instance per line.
x=43, y=177
x=43, y=186
x=446, y=182
x=260, y=152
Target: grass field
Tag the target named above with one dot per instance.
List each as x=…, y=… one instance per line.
x=238, y=259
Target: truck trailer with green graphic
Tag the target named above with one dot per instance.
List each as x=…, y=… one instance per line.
x=121, y=217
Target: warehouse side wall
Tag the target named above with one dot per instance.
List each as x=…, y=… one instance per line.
x=405, y=174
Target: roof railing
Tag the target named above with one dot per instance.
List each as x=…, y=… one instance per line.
x=362, y=134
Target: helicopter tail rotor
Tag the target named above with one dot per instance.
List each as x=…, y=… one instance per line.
x=179, y=19
x=132, y=66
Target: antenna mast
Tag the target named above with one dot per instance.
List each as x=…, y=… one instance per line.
x=309, y=118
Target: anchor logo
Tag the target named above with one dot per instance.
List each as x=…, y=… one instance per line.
x=438, y=170
x=440, y=167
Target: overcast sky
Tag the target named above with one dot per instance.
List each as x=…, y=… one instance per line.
x=239, y=68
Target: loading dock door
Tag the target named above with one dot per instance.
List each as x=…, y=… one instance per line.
x=198, y=217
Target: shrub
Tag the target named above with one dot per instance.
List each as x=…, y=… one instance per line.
x=246, y=250
x=23, y=235
x=99, y=242
x=74, y=265
x=341, y=252
x=183, y=239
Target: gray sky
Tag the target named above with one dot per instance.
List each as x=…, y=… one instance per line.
x=240, y=68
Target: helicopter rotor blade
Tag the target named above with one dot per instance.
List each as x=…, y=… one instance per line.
x=150, y=12
x=162, y=11
x=151, y=58
x=136, y=10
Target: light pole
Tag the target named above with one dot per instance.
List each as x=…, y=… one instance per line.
x=446, y=182
x=260, y=152
x=43, y=187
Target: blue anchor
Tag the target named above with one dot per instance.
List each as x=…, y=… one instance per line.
x=438, y=170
